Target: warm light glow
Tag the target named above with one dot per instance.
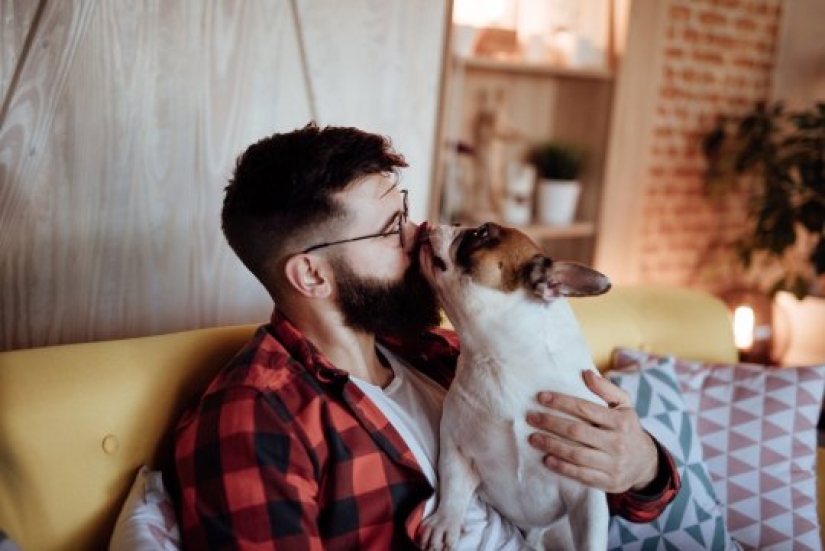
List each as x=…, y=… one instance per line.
x=478, y=13
x=743, y=325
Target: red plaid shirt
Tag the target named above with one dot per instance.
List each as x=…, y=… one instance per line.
x=282, y=452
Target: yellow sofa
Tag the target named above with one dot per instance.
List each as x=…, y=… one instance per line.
x=77, y=421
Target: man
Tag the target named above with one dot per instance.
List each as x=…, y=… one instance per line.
x=322, y=432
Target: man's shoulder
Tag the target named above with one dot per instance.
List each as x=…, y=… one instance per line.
x=262, y=361
x=262, y=368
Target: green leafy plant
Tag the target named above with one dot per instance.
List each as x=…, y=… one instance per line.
x=557, y=160
x=778, y=157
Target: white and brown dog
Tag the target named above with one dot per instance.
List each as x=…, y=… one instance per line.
x=518, y=336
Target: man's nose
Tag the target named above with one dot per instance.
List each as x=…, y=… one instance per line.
x=412, y=233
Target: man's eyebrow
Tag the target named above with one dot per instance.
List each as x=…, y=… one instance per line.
x=396, y=179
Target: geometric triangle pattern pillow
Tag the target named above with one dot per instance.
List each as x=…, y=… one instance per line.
x=758, y=431
x=693, y=520
x=7, y=544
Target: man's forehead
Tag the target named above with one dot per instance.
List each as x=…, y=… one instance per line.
x=372, y=187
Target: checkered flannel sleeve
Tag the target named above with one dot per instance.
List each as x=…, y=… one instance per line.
x=247, y=481
x=646, y=506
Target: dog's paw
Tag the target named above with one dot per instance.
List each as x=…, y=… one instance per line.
x=439, y=533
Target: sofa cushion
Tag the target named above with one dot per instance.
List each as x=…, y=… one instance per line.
x=757, y=426
x=694, y=519
x=147, y=520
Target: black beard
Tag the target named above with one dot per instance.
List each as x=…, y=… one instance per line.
x=402, y=308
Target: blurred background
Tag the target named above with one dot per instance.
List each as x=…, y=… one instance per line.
x=599, y=126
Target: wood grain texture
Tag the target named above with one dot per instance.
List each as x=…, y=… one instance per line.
x=125, y=126
x=16, y=19
x=618, y=251
x=391, y=53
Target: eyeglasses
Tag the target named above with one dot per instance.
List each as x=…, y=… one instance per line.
x=399, y=230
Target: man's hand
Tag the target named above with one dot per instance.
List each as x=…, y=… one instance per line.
x=601, y=446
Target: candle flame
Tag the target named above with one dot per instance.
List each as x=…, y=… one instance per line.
x=743, y=326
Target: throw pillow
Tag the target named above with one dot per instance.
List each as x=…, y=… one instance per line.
x=6, y=543
x=757, y=426
x=147, y=520
x=694, y=519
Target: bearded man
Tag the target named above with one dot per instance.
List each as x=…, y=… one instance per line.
x=322, y=432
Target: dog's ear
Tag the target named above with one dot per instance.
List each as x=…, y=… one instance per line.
x=548, y=279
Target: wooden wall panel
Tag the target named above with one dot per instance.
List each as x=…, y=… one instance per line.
x=16, y=20
x=123, y=130
x=619, y=249
x=394, y=52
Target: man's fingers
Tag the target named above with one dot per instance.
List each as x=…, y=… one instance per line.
x=579, y=408
x=603, y=446
x=588, y=466
x=604, y=389
x=569, y=429
x=574, y=454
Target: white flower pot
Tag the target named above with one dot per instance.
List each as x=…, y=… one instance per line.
x=799, y=326
x=519, y=187
x=556, y=201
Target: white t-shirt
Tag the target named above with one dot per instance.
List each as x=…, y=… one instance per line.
x=412, y=402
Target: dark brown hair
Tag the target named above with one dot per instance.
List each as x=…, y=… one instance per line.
x=282, y=186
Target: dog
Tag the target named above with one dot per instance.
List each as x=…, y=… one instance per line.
x=518, y=335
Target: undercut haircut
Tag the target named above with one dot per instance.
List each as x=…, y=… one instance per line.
x=281, y=190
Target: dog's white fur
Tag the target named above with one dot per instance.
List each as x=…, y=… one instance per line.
x=513, y=345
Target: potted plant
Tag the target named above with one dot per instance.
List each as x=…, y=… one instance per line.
x=559, y=166
x=777, y=159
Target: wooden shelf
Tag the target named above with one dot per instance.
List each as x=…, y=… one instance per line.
x=538, y=69
x=577, y=229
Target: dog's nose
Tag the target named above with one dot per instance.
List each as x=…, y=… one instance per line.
x=423, y=233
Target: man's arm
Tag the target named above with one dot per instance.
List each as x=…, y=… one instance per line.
x=606, y=447
x=247, y=479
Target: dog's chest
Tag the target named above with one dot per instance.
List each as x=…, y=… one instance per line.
x=498, y=389
x=500, y=373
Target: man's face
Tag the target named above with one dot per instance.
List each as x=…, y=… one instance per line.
x=380, y=286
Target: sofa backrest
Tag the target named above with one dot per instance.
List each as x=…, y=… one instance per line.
x=687, y=323
x=77, y=421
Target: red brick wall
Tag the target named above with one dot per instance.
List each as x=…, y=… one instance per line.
x=717, y=58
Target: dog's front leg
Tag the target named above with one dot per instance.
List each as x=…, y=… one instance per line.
x=457, y=481
x=589, y=520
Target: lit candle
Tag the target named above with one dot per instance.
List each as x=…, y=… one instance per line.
x=743, y=324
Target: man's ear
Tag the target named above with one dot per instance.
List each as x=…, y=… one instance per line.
x=309, y=275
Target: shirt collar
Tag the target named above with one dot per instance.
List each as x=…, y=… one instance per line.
x=431, y=347
x=303, y=351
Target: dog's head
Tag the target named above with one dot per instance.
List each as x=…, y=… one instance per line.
x=460, y=262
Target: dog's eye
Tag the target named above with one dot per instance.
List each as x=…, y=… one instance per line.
x=482, y=231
